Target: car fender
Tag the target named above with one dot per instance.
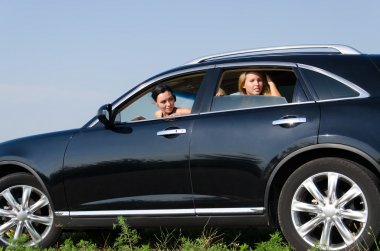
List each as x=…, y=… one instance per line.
x=43, y=157
x=306, y=149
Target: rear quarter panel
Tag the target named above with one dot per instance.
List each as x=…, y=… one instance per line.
x=352, y=123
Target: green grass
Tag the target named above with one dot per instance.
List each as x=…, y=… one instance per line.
x=125, y=238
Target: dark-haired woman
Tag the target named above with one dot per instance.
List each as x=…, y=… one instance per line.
x=165, y=100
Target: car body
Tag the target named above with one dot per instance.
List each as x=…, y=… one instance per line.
x=307, y=162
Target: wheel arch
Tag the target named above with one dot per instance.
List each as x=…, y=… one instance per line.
x=293, y=161
x=10, y=167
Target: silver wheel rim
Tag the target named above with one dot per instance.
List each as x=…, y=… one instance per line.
x=25, y=212
x=329, y=210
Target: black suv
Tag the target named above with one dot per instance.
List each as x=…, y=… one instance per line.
x=307, y=161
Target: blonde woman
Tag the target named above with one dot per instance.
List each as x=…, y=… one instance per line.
x=255, y=83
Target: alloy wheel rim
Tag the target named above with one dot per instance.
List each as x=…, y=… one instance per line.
x=25, y=213
x=329, y=210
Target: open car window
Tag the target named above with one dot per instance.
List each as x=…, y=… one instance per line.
x=143, y=107
x=228, y=97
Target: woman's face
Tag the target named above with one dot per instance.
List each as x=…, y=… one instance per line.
x=253, y=84
x=165, y=101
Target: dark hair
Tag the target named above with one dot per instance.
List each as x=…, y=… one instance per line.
x=161, y=88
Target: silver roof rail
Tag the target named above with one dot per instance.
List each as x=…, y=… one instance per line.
x=343, y=49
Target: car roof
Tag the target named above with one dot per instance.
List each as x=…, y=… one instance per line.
x=291, y=53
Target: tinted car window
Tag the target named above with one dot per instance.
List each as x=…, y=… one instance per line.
x=327, y=87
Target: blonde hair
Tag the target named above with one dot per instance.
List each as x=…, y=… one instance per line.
x=243, y=77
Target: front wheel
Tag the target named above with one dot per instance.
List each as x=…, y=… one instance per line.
x=25, y=212
x=329, y=203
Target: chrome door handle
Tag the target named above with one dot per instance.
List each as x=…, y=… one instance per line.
x=171, y=132
x=289, y=121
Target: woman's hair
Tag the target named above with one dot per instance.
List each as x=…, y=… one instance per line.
x=161, y=88
x=242, y=78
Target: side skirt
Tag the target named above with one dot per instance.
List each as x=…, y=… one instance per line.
x=226, y=217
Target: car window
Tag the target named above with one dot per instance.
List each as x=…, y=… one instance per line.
x=228, y=95
x=327, y=87
x=143, y=107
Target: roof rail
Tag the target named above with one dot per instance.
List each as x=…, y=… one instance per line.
x=343, y=49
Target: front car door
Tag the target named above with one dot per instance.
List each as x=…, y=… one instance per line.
x=140, y=166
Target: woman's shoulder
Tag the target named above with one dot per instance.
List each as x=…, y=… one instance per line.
x=158, y=114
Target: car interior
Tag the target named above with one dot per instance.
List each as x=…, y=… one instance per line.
x=284, y=79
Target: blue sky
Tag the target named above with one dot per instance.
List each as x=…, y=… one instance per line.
x=61, y=60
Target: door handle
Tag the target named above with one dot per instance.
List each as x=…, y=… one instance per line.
x=289, y=121
x=171, y=132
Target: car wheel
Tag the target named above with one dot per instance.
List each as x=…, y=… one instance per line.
x=329, y=203
x=25, y=212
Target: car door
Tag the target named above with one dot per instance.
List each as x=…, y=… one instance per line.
x=139, y=166
x=239, y=139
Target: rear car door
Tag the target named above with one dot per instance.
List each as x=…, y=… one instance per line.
x=238, y=140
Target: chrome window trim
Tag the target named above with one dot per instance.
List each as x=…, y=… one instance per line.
x=144, y=85
x=362, y=92
x=161, y=212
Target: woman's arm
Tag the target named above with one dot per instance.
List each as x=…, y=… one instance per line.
x=272, y=86
x=182, y=111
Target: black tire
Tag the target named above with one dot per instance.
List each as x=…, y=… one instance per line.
x=329, y=219
x=31, y=217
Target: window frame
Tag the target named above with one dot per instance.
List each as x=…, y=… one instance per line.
x=211, y=81
x=145, y=93
x=362, y=93
x=295, y=67
x=248, y=69
x=222, y=68
x=136, y=91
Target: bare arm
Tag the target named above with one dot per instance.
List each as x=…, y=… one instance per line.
x=179, y=111
x=182, y=111
x=272, y=86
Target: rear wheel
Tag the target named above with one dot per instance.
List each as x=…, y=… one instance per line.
x=330, y=203
x=25, y=212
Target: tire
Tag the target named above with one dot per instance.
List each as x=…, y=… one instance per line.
x=330, y=203
x=25, y=211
